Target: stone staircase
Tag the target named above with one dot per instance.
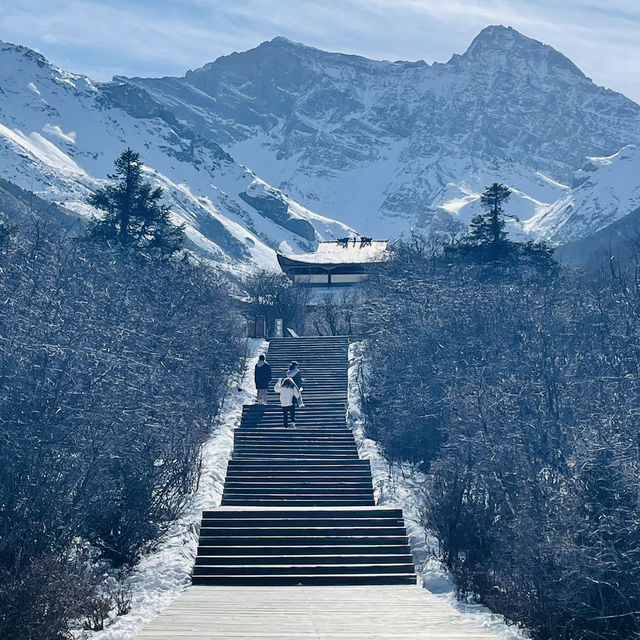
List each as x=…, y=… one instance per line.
x=298, y=507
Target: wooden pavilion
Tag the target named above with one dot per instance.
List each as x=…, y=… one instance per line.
x=335, y=263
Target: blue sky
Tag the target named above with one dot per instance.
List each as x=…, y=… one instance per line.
x=161, y=37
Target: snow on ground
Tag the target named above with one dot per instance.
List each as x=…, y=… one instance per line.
x=400, y=485
x=165, y=573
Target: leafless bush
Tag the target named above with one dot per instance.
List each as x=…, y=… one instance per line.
x=100, y=608
x=39, y=597
x=122, y=599
x=275, y=296
x=112, y=367
x=334, y=315
x=518, y=392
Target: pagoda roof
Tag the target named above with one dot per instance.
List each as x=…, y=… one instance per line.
x=339, y=252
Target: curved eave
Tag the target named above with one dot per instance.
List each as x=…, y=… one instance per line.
x=289, y=264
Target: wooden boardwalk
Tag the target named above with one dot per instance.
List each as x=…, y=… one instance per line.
x=298, y=505
x=384, y=612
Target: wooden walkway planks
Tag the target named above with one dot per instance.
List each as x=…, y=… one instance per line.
x=320, y=613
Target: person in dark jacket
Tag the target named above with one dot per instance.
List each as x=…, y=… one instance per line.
x=262, y=376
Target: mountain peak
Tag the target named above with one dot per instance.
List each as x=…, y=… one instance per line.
x=501, y=46
x=20, y=50
x=282, y=41
x=261, y=55
x=497, y=34
x=18, y=61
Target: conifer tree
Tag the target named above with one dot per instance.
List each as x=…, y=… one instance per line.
x=134, y=215
x=488, y=228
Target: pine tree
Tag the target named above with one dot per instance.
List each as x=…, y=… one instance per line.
x=134, y=215
x=487, y=229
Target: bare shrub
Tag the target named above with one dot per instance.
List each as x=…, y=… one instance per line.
x=516, y=386
x=113, y=365
x=275, y=296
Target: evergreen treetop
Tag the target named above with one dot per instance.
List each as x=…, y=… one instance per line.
x=487, y=239
x=488, y=228
x=134, y=215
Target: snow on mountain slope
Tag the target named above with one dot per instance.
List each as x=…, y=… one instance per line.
x=385, y=146
x=611, y=192
x=60, y=133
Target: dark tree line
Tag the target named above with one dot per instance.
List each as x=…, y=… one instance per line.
x=516, y=387
x=113, y=363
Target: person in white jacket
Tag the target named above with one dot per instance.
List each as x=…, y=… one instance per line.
x=288, y=391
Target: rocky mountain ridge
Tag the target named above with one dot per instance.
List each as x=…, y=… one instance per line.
x=60, y=133
x=250, y=146
x=385, y=146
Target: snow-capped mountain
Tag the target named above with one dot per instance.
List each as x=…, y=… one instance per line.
x=384, y=146
x=61, y=132
x=381, y=146
x=610, y=192
x=618, y=240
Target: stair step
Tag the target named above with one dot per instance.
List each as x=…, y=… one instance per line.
x=349, y=451
x=298, y=466
x=298, y=435
x=318, y=451
x=302, y=550
x=268, y=533
x=290, y=481
x=302, y=431
x=276, y=426
x=313, y=559
x=350, y=463
x=321, y=484
x=326, y=455
x=243, y=481
x=298, y=493
x=297, y=445
x=284, y=475
x=306, y=540
x=364, y=483
x=303, y=476
x=305, y=579
x=377, y=512
x=301, y=522
x=299, y=502
x=301, y=466
x=294, y=436
x=319, y=569
x=339, y=467
x=293, y=455
x=295, y=441
x=293, y=444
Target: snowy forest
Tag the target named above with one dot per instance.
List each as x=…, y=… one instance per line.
x=513, y=383
x=114, y=359
x=510, y=380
